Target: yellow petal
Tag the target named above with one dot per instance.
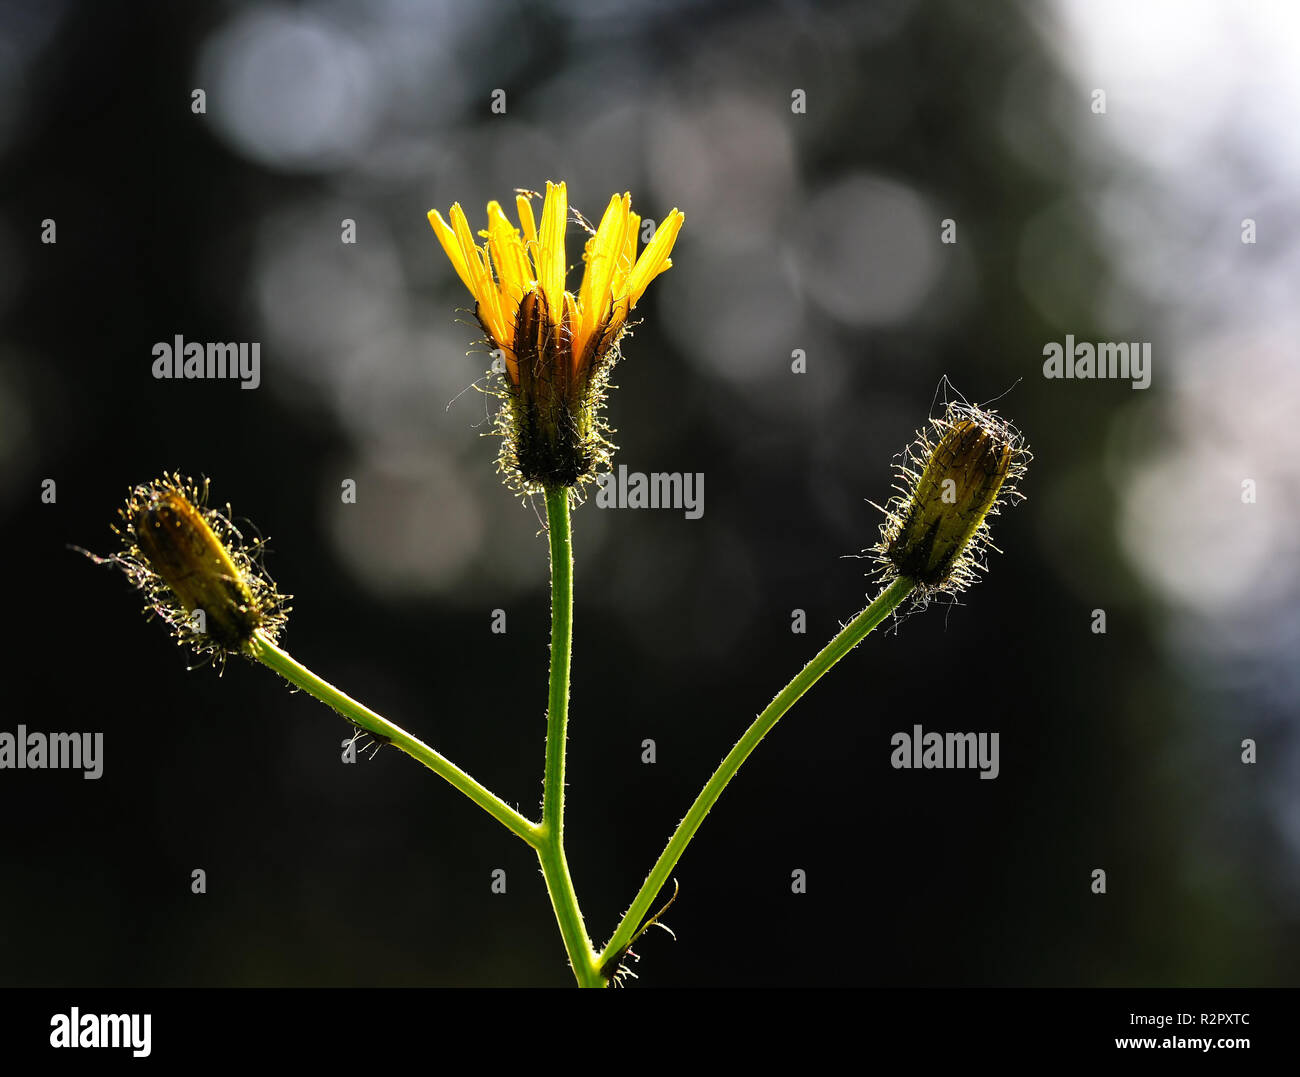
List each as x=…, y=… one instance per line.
x=603, y=255
x=483, y=286
x=627, y=259
x=550, y=247
x=514, y=274
x=654, y=259
x=452, y=248
x=525, y=206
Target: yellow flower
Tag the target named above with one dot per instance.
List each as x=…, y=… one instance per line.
x=557, y=347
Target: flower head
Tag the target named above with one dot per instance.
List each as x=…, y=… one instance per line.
x=195, y=570
x=936, y=531
x=557, y=347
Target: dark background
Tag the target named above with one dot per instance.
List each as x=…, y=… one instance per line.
x=816, y=231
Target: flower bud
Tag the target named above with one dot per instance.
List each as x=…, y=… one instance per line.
x=195, y=570
x=936, y=532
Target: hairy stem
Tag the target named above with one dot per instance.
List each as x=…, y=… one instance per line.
x=550, y=846
x=852, y=634
x=363, y=717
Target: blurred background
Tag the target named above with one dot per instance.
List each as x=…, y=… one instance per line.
x=815, y=230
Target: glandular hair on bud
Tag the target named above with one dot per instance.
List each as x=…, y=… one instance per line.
x=188, y=558
x=936, y=530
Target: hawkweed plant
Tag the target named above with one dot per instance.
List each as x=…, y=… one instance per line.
x=553, y=351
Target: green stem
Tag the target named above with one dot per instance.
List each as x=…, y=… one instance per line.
x=284, y=664
x=852, y=634
x=550, y=846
